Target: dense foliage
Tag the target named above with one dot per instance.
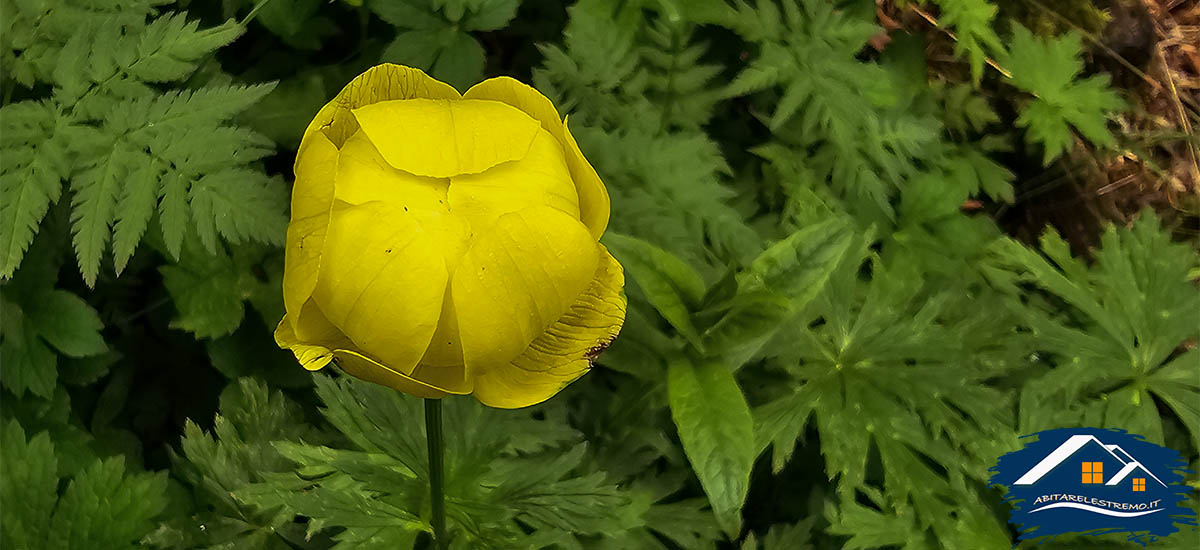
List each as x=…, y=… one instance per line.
x=830, y=340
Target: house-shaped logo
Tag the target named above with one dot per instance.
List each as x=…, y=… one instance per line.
x=1093, y=480
x=1090, y=459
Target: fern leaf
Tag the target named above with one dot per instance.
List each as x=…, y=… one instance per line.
x=239, y=204
x=93, y=207
x=34, y=164
x=170, y=46
x=133, y=211
x=173, y=213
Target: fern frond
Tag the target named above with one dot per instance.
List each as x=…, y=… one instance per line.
x=678, y=82
x=35, y=162
x=120, y=142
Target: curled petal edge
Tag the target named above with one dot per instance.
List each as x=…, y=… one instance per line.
x=315, y=357
x=565, y=351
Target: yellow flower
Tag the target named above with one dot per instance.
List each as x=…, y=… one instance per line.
x=448, y=244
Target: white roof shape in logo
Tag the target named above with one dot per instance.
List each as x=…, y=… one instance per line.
x=1073, y=444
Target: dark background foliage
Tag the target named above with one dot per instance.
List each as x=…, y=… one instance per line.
x=868, y=245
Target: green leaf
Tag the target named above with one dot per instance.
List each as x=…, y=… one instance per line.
x=283, y=114
x=28, y=488
x=29, y=364
x=208, y=292
x=751, y=319
x=133, y=211
x=972, y=22
x=1178, y=386
x=239, y=452
x=460, y=61
x=798, y=266
x=107, y=507
x=671, y=286
x=241, y=205
x=343, y=503
x=35, y=163
x=1130, y=313
x=68, y=323
x=717, y=432
x=170, y=47
x=490, y=15
x=1048, y=69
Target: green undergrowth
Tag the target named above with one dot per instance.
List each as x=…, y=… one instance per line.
x=829, y=340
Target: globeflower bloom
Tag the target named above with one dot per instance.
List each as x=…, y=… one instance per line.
x=444, y=243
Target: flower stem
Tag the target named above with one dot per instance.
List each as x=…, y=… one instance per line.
x=433, y=435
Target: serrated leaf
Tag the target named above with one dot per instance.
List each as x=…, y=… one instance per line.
x=107, y=507
x=240, y=205
x=30, y=179
x=207, y=292
x=28, y=488
x=173, y=214
x=96, y=189
x=975, y=32
x=139, y=196
x=170, y=46
x=1048, y=69
x=717, y=433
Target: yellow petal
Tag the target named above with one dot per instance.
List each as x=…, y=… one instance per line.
x=517, y=279
x=366, y=368
x=363, y=176
x=539, y=179
x=310, y=336
x=593, y=197
x=564, y=351
x=385, y=82
x=382, y=282
x=445, y=348
x=443, y=138
x=312, y=199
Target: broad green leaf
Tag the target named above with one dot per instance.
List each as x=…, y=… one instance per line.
x=671, y=286
x=717, y=432
x=489, y=15
x=798, y=266
x=207, y=295
x=753, y=318
x=29, y=364
x=209, y=291
x=68, y=323
x=460, y=61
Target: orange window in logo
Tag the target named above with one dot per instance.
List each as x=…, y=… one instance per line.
x=1093, y=472
x=1139, y=484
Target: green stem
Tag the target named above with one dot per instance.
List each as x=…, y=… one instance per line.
x=433, y=435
